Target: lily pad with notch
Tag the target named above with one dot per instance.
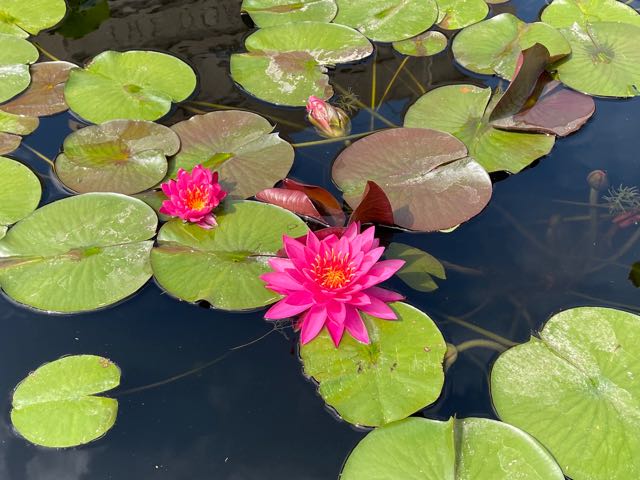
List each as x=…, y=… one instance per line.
x=20, y=193
x=15, y=56
x=566, y=13
x=419, y=268
x=236, y=251
x=241, y=146
x=458, y=449
x=464, y=111
x=397, y=374
x=122, y=156
x=57, y=405
x=427, y=175
x=268, y=13
x=457, y=14
x=574, y=389
x=12, y=127
x=23, y=18
x=424, y=45
x=133, y=85
x=286, y=64
x=78, y=254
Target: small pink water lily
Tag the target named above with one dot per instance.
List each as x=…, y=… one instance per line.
x=193, y=196
x=328, y=120
x=331, y=281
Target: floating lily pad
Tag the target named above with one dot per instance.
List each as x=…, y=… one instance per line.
x=134, y=85
x=122, y=156
x=223, y=265
x=286, y=64
x=374, y=207
x=23, y=18
x=20, y=192
x=429, y=179
x=575, y=390
x=9, y=142
x=396, y=375
x=419, y=268
x=605, y=59
x=15, y=56
x=456, y=14
x=463, y=111
x=45, y=95
x=388, y=20
x=493, y=46
x=56, y=406
x=241, y=146
x=471, y=448
x=267, y=13
x=566, y=13
x=80, y=253
x=11, y=127
x=424, y=45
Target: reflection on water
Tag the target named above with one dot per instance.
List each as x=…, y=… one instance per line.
x=253, y=416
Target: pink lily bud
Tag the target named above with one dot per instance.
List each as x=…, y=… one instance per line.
x=329, y=121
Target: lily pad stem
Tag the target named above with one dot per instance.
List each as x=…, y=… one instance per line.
x=50, y=56
x=226, y=107
x=364, y=107
x=494, y=336
x=480, y=343
x=39, y=155
x=392, y=81
x=332, y=140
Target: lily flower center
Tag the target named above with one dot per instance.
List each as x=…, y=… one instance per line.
x=197, y=198
x=333, y=271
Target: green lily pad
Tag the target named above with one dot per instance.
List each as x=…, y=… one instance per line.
x=605, y=59
x=396, y=375
x=56, y=406
x=459, y=449
x=80, y=253
x=223, y=265
x=23, y=18
x=134, y=85
x=122, y=156
x=286, y=64
x=241, y=146
x=267, y=13
x=575, y=390
x=17, y=124
x=464, y=111
x=493, y=46
x=419, y=268
x=9, y=142
x=427, y=176
x=424, y=45
x=15, y=56
x=20, y=192
x=566, y=13
x=388, y=20
x=45, y=95
x=456, y=14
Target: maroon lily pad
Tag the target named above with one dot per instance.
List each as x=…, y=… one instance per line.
x=293, y=200
x=430, y=181
x=375, y=207
x=326, y=203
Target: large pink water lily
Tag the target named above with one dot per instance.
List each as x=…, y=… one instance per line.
x=193, y=196
x=330, y=282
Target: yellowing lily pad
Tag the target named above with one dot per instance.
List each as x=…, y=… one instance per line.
x=134, y=85
x=286, y=64
x=15, y=56
x=456, y=14
x=22, y=18
x=430, y=181
x=45, y=95
x=57, y=407
x=267, y=13
x=20, y=192
x=223, y=265
x=464, y=111
x=574, y=388
x=397, y=374
x=11, y=129
x=459, y=449
x=424, y=45
x=388, y=20
x=122, y=156
x=241, y=146
x=493, y=46
x=78, y=254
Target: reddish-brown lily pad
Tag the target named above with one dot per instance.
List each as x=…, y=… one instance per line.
x=241, y=146
x=374, y=207
x=9, y=142
x=45, y=95
x=430, y=181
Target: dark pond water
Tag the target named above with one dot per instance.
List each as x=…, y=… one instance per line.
x=253, y=416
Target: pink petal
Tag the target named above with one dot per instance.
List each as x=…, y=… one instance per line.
x=312, y=323
x=290, y=306
x=355, y=326
x=379, y=309
x=280, y=264
x=336, y=312
x=282, y=281
x=384, y=295
x=351, y=232
x=381, y=271
x=336, y=330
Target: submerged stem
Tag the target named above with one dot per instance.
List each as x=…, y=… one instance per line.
x=50, y=56
x=494, y=336
x=332, y=140
x=226, y=107
x=480, y=343
x=41, y=156
x=364, y=107
x=392, y=81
